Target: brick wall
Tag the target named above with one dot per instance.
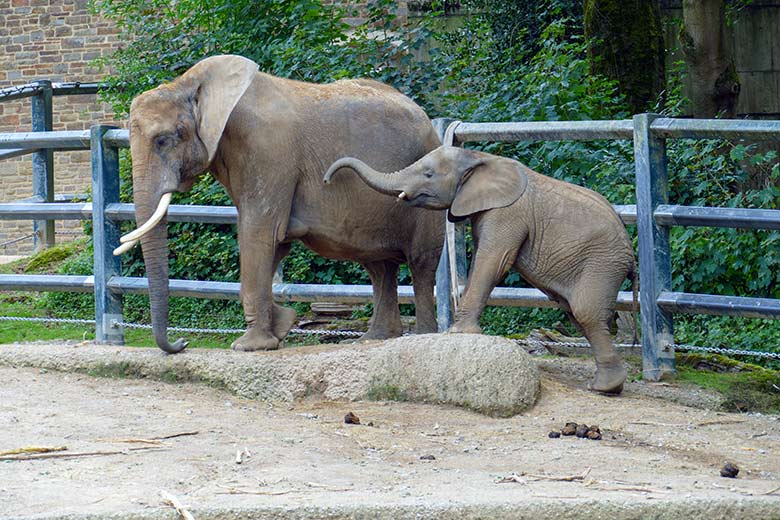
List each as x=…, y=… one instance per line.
x=54, y=40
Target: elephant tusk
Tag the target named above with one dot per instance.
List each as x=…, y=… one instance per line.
x=157, y=216
x=124, y=248
x=402, y=195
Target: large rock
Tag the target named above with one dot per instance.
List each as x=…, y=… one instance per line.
x=487, y=374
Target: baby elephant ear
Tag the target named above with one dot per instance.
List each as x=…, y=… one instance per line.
x=496, y=183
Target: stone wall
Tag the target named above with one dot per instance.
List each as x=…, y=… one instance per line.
x=54, y=40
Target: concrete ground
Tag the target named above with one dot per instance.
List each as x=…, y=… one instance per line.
x=657, y=459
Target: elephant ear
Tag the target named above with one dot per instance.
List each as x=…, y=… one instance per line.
x=495, y=183
x=219, y=83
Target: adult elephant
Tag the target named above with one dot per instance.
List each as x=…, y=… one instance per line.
x=268, y=141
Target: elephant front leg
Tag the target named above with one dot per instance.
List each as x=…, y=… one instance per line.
x=257, y=270
x=490, y=267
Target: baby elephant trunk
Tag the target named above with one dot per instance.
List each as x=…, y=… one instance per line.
x=387, y=183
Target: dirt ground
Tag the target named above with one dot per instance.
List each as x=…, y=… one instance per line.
x=303, y=455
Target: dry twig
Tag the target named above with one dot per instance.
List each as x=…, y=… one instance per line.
x=603, y=485
x=33, y=449
x=72, y=455
x=565, y=478
x=151, y=440
x=326, y=487
x=174, y=435
x=772, y=491
x=236, y=491
x=177, y=505
x=720, y=421
x=514, y=477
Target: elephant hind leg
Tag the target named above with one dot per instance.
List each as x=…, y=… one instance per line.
x=282, y=318
x=592, y=305
x=424, y=280
x=386, y=321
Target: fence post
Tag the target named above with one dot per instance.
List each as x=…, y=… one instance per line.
x=105, y=236
x=654, y=252
x=43, y=165
x=444, y=304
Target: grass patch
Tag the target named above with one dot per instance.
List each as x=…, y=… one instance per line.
x=745, y=387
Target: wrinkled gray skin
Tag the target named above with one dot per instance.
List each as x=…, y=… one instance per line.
x=564, y=239
x=267, y=140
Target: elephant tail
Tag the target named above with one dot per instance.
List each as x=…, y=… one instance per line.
x=632, y=275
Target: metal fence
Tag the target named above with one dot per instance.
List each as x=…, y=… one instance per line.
x=652, y=214
x=42, y=93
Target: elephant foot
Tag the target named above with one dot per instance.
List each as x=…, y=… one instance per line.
x=283, y=320
x=609, y=378
x=254, y=339
x=465, y=328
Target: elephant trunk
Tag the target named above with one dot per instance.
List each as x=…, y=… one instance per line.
x=387, y=183
x=155, y=250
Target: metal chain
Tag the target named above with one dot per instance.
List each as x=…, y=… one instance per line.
x=49, y=320
x=348, y=333
x=696, y=348
x=355, y=334
x=15, y=240
x=729, y=351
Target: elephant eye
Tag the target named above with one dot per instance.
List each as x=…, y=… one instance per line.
x=428, y=174
x=163, y=141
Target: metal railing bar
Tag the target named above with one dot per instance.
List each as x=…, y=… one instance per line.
x=741, y=306
x=118, y=137
x=59, y=140
x=544, y=131
x=20, y=92
x=48, y=282
x=715, y=129
x=626, y=212
x=180, y=213
x=75, y=88
x=58, y=89
x=741, y=218
x=45, y=210
x=528, y=297
x=16, y=152
x=282, y=292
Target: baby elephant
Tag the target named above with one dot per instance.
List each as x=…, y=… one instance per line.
x=563, y=239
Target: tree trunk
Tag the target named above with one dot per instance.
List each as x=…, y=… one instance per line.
x=625, y=43
x=704, y=39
